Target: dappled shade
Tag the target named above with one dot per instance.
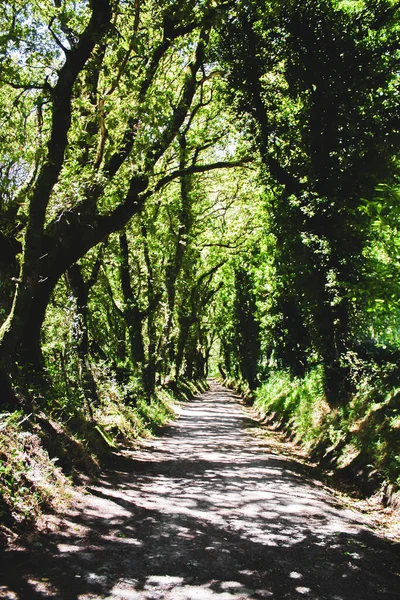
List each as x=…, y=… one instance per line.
x=206, y=511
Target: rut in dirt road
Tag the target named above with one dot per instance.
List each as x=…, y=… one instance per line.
x=206, y=512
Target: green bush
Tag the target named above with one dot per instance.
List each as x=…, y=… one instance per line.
x=364, y=433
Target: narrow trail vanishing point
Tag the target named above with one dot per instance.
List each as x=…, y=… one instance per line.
x=205, y=512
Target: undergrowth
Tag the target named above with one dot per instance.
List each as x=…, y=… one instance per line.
x=29, y=479
x=360, y=438
x=43, y=454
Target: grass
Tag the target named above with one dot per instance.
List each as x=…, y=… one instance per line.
x=360, y=439
x=29, y=479
x=43, y=454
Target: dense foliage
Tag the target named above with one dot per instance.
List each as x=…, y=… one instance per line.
x=196, y=185
x=315, y=85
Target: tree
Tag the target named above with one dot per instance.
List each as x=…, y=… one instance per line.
x=314, y=83
x=247, y=326
x=99, y=83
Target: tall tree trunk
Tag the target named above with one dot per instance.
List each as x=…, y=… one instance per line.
x=80, y=290
x=132, y=313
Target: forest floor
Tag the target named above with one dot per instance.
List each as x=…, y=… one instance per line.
x=212, y=509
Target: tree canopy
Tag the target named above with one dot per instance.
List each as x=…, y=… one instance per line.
x=193, y=186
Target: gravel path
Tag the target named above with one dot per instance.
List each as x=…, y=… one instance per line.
x=205, y=512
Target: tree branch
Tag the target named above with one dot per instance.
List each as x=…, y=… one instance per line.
x=199, y=169
x=48, y=175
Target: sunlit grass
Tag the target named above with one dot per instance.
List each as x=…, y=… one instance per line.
x=365, y=430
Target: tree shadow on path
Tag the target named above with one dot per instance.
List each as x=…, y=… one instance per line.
x=205, y=512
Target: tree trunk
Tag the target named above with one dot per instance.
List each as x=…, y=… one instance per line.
x=80, y=290
x=132, y=313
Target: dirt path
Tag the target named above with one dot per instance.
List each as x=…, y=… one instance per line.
x=205, y=512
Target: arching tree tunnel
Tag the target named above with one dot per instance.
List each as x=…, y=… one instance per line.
x=186, y=186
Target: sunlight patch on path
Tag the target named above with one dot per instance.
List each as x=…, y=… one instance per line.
x=173, y=588
x=211, y=470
